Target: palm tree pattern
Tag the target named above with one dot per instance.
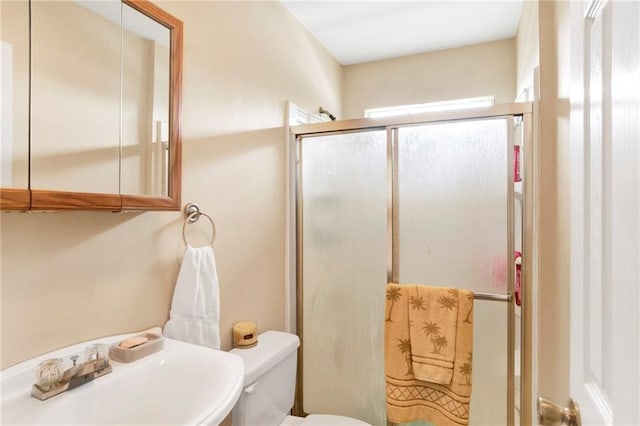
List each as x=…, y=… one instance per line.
x=465, y=370
x=467, y=319
x=448, y=302
x=439, y=343
x=405, y=348
x=417, y=302
x=431, y=329
x=393, y=295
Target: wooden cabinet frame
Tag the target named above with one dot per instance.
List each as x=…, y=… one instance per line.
x=38, y=199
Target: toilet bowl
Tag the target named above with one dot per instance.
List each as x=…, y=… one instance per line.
x=269, y=386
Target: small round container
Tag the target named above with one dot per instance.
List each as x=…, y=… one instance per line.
x=245, y=334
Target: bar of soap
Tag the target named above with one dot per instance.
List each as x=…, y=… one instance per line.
x=134, y=341
x=136, y=347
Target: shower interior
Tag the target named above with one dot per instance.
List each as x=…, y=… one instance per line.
x=437, y=200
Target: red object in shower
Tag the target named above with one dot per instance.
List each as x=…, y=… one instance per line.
x=518, y=286
x=516, y=164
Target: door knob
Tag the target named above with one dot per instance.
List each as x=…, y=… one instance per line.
x=550, y=413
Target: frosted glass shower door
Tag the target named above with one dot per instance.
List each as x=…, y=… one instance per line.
x=451, y=231
x=343, y=198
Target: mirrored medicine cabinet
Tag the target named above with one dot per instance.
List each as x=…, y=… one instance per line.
x=91, y=94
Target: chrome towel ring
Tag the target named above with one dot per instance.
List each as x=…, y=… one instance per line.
x=192, y=213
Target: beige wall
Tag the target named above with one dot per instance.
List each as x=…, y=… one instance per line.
x=487, y=69
x=72, y=276
x=527, y=48
x=552, y=201
x=543, y=40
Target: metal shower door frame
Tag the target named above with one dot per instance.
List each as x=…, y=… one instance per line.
x=507, y=111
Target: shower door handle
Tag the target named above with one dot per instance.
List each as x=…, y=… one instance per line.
x=550, y=413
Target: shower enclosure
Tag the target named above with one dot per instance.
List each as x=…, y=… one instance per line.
x=435, y=199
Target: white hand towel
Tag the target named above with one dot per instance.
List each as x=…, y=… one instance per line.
x=195, y=309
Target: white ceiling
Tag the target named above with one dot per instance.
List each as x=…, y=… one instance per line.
x=355, y=31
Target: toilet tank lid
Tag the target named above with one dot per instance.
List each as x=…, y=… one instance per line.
x=272, y=348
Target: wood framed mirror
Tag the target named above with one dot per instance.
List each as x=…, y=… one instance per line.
x=104, y=97
x=154, y=181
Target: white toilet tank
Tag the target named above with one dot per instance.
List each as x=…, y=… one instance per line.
x=269, y=380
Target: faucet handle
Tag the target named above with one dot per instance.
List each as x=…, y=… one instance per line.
x=96, y=351
x=48, y=373
x=74, y=359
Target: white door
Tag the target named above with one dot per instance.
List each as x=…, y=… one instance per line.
x=605, y=197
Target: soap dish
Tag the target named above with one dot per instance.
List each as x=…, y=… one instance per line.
x=152, y=345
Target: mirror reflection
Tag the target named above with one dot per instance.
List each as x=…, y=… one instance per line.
x=14, y=90
x=75, y=96
x=100, y=99
x=145, y=104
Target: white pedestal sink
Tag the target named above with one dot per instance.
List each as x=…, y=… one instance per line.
x=181, y=384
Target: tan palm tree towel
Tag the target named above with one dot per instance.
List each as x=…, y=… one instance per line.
x=433, y=312
x=409, y=398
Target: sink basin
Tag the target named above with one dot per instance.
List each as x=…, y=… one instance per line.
x=181, y=384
